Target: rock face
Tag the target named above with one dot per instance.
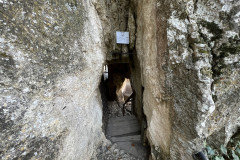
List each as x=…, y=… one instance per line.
x=188, y=52
x=51, y=56
x=185, y=73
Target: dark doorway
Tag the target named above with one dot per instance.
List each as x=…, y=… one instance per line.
x=116, y=76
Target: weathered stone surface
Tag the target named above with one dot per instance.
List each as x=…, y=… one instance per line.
x=114, y=17
x=51, y=56
x=188, y=52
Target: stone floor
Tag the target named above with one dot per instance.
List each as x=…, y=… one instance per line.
x=124, y=137
x=125, y=132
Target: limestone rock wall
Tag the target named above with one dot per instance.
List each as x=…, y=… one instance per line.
x=151, y=57
x=51, y=56
x=204, y=36
x=114, y=15
x=189, y=57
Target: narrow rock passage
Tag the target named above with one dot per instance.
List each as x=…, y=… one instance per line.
x=110, y=150
x=124, y=135
x=125, y=132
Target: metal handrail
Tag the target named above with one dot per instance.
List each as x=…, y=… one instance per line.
x=124, y=104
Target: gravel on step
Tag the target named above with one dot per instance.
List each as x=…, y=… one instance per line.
x=109, y=151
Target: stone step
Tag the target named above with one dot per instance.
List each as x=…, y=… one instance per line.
x=120, y=119
x=125, y=132
x=123, y=123
x=122, y=126
x=134, y=138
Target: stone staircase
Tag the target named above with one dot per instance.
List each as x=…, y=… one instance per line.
x=125, y=132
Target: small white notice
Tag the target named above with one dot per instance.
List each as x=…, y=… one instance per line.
x=122, y=37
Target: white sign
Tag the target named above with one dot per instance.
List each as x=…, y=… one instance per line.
x=122, y=37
